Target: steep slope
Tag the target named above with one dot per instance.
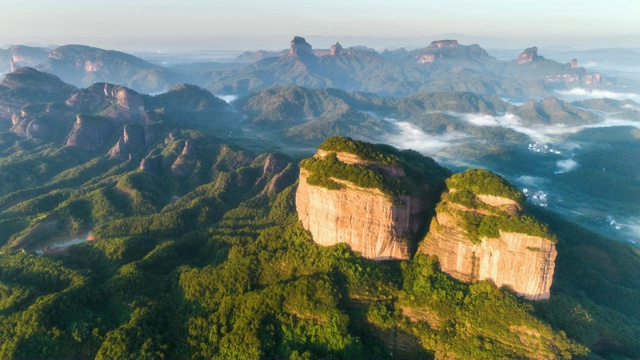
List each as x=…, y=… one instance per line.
x=29, y=86
x=373, y=198
x=20, y=55
x=112, y=101
x=478, y=234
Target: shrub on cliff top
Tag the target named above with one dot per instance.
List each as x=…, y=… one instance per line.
x=421, y=171
x=378, y=153
x=324, y=169
x=485, y=182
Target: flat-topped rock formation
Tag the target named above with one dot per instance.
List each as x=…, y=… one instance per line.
x=479, y=234
x=360, y=194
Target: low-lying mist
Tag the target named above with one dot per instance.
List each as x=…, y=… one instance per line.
x=410, y=136
x=582, y=94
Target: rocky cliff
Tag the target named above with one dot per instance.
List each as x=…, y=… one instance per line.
x=528, y=55
x=479, y=237
x=29, y=86
x=299, y=46
x=111, y=101
x=89, y=132
x=448, y=50
x=336, y=50
x=360, y=194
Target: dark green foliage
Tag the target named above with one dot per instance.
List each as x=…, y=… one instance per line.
x=212, y=266
x=478, y=225
x=323, y=181
x=473, y=320
x=485, y=182
x=596, y=289
x=380, y=154
x=423, y=174
x=359, y=175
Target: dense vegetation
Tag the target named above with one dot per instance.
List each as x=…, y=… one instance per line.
x=478, y=226
x=485, y=182
x=249, y=281
x=377, y=153
x=422, y=173
x=481, y=220
x=210, y=261
x=254, y=285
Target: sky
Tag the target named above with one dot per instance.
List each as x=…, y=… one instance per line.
x=164, y=25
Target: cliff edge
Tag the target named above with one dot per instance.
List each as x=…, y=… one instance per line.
x=479, y=233
x=373, y=197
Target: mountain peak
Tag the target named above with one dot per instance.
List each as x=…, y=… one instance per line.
x=444, y=43
x=528, y=55
x=336, y=49
x=299, y=46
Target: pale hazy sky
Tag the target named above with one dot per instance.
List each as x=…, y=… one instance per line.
x=200, y=24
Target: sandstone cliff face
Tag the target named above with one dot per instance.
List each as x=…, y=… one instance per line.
x=336, y=50
x=111, y=101
x=592, y=79
x=131, y=143
x=521, y=262
x=444, y=43
x=185, y=163
x=374, y=198
x=51, y=122
x=528, y=55
x=299, y=47
x=89, y=133
x=365, y=219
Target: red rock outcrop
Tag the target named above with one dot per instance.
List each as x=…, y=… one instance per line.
x=299, y=47
x=90, y=133
x=364, y=218
x=112, y=101
x=444, y=43
x=521, y=262
x=336, y=50
x=374, y=223
x=130, y=143
x=185, y=163
x=592, y=79
x=528, y=55
x=152, y=164
x=280, y=181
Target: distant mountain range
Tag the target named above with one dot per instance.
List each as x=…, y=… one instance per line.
x=444, y=65
x=37, y=104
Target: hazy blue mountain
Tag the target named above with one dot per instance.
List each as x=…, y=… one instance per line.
x=84, y=65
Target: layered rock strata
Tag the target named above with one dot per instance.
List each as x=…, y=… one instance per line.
x=299, y=47
x=366, y=219
x=379, y=221
x=482, y=236
x=521, y=262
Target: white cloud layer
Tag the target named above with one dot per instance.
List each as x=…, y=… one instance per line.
x=537, y=133
x=530, y=180
x=228, y=98
x=567, y=165
x=581, y=94
x=410, y=136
